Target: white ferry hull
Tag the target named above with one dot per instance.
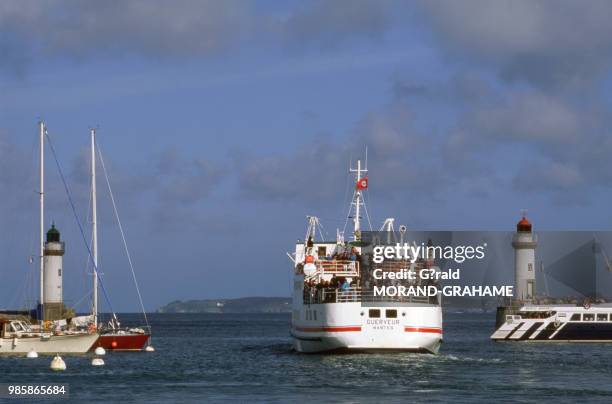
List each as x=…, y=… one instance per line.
x=64, y=344
x=559, y=324
x=359, y=343
x=348, y=327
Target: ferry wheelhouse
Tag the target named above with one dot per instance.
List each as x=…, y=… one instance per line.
x=334, y=306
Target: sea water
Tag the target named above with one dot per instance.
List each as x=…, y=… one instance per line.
x=248, y=358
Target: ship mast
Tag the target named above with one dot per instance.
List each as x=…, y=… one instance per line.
x=94, y=228
x=42, y=217
x=357, y=198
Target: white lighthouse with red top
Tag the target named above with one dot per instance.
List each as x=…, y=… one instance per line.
x=524, y=243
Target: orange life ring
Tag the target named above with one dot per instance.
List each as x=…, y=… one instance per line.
x=309, y=259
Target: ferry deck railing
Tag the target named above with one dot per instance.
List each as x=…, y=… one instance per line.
x=331, y=268
x=356, y=294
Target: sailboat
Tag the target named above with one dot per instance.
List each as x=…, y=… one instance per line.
x=17, y=334
x=112, y=335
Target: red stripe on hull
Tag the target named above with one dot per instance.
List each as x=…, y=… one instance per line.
x=432, y=330
x=123, y=342
x=328, y=329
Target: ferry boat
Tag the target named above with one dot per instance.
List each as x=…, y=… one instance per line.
x=334, y=310
x=523, y=319
x=557, y=323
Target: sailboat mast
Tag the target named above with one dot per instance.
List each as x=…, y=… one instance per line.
x=42, y=216
x=94, y=227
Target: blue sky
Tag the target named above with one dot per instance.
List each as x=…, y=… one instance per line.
x=225, y=123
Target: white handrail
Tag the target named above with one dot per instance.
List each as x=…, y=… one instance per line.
x=356, y=294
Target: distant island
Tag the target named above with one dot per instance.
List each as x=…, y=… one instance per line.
x=240, y=305
x=283, y=305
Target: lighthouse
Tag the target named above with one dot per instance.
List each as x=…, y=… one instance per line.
x=52, y=282
x=524, y=243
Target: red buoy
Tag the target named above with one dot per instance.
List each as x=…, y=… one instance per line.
x=114, y=344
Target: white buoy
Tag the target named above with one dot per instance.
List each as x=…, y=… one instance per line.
x=58, y=363
x=32, y=354
x=97, y=362
x=149, y=348
x=100, y=351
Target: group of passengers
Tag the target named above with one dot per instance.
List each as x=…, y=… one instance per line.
x=344, y=254
x=325, y=291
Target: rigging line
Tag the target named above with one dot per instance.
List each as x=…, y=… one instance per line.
x=23, y=296
x=21, y=293
x=330, y=220
x=85, y=274
x=346, y=190
x=89, y=210
x=348, y=184
x=86, y=295
x=365, y=207
x=367, y=215
x=76, y=217
x=88, y=218
x=84, y=278
x=321, y=230
x=348, y=214
x=127, y=251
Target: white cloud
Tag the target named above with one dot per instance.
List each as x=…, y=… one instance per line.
x=547, y=43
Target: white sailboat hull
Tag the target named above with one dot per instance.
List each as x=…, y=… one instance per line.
x=64, y=344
